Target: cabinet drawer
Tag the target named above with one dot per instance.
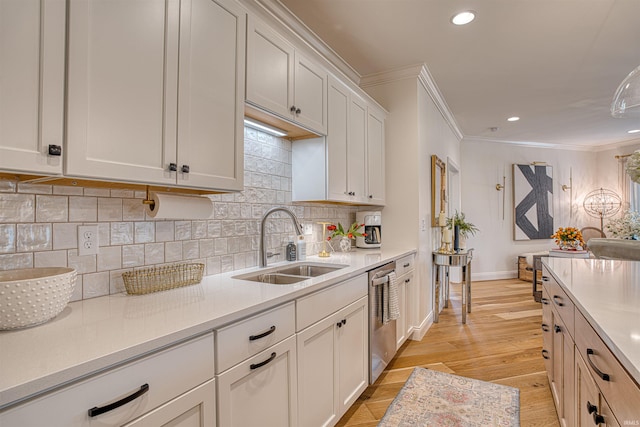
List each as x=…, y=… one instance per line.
x=321, y=304
x=168, y=374
x=559, y=300
x=248, y=337
x=620, y=391
x=404, y=264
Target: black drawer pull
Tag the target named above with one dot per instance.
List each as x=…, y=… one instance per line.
x=545, y=327
x=591, y=408
x=545, y=301
x=545, y=278
x=406, y=265
x=261, y=364
x=605, y=377
x=557, y=329
x=173, y=167
x=545, y=354
x=262, y=335
x=97, y=410
x=407, y=280
x=555, y=298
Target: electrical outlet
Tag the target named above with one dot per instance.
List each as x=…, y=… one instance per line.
x=87, y=239
x=308, y=229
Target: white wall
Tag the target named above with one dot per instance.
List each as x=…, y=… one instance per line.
x=415, y=129
x=482, y=167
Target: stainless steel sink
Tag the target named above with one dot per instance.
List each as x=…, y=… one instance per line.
x=276, y=278
x=309, y=270
x=293, y=273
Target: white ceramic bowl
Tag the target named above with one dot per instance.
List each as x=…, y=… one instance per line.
x=34, y=295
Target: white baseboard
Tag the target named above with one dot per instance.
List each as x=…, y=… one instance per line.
x=494, y=275
x=420, y=330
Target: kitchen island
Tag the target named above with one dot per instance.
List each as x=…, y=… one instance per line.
x=591, y=339
x=93, y=335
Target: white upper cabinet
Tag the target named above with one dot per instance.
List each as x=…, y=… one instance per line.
x=282, y=81
x=32, y=85
x=155, y=92
x=347, y=165
x=375, y=156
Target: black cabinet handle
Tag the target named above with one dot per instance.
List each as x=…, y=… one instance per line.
x=407, y=280
x=545, y=327
x=185, y=169
x=545, y=278
x=261, y=364
x=271, y=330
x=293, y=109
x=605, y=377
x=371, y=196
x=598, y=419
x=555, y=300
x=339, y=324
x=407, y=265
x=55, y=150
x=545, y=354
x=557, y=329
x=298, y=111
x=545, y=301
x=344, y=321
x=97, y=410
x=173, y=167
x=591, y=407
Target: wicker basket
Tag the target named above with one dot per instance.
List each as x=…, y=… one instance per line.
x=162, y=278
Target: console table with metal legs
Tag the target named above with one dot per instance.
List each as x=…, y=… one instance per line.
x=441, y=264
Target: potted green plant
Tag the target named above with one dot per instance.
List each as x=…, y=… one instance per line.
x=465, y=228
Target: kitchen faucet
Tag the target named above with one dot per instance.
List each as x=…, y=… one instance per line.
x=263, y=253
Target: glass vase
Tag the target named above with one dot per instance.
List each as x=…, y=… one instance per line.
x=568, y=245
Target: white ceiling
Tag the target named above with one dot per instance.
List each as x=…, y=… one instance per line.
x=554, y=63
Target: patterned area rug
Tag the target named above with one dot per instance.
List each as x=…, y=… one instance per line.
x=433, y=398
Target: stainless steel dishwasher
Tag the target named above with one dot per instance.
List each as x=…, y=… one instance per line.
x=382, y=335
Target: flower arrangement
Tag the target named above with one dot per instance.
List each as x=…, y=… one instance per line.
x=633, y=166
x=625, y=227
x=568, y=237
x=351, y=233
x=466, y=228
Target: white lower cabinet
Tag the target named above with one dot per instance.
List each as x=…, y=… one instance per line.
x=173, y=387
x=261, y=391
x=332, y=365
x=406, y=300
x=195, y=408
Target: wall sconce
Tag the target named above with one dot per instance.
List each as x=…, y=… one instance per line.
x=500, y=187
x=569, y=187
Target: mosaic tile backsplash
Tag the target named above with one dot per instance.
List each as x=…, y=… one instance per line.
x=38, y=224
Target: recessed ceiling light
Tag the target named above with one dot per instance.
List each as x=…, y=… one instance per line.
x=633, y=131
x=513, y=119
x=463, y=18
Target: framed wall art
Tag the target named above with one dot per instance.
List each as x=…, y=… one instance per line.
x=438, y=188
x=532, y=201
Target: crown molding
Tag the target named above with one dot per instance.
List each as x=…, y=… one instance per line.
x=290, y=21
x=532, y=144
x=617, y=145
x=421, y=73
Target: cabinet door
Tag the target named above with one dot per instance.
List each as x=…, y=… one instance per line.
x=310, y=94
x=402, y=320
x=318, y=373
x=337, y=137
x=211, y=94
x=590, y=404
x=270, y=60
x=262, y=391
x=356, y=149
x=353, y=352
x=195, y=408
x=563, y=366
x=122, y=94
x=375, y=156
x=31, y=84
x=547, y=336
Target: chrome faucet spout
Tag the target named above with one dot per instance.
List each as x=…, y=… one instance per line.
x=296, y=224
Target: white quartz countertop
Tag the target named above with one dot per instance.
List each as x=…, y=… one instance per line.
x=607, y=293
x=95, y=334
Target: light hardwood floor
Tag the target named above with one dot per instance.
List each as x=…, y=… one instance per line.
x=500, y=343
